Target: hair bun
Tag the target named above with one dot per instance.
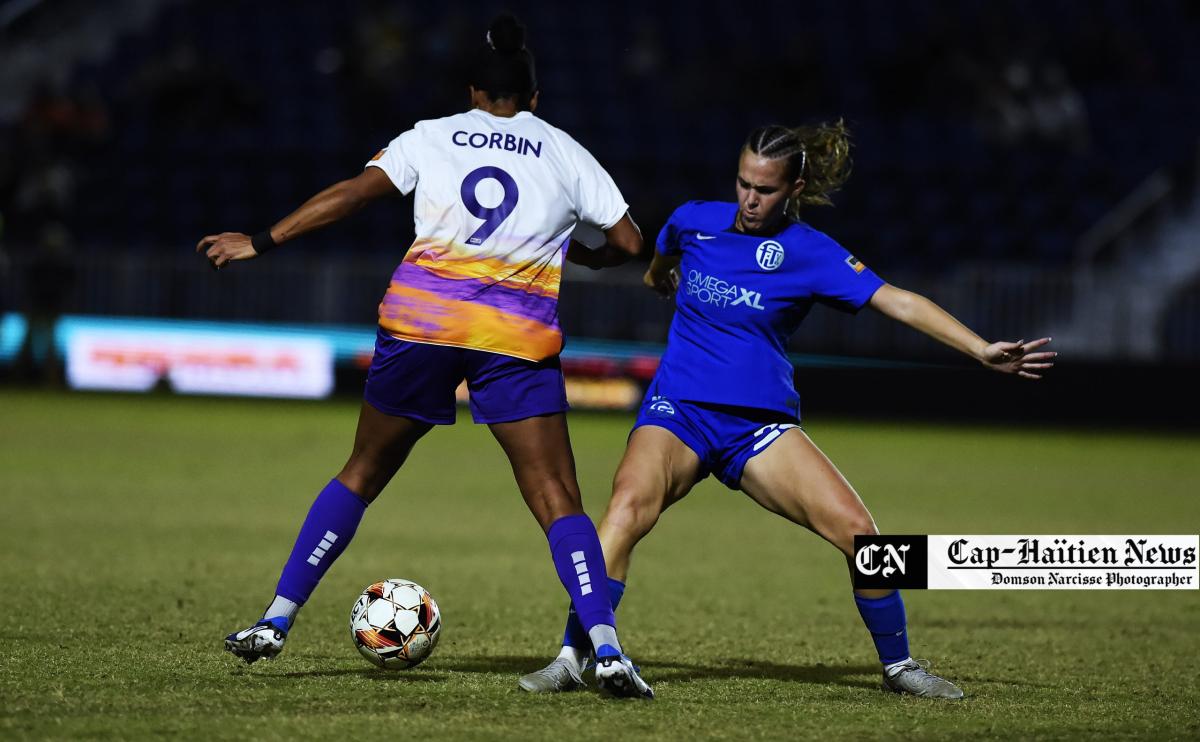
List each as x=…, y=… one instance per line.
x=506, y=34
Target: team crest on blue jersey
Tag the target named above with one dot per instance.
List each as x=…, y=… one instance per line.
x=769, y=254
x=661, y=407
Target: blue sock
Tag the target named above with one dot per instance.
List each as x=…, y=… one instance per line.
x=577, y=636
x=885, y=620
x=327, y=530
x=579, y=561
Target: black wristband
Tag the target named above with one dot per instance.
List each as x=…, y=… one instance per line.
x=262, y=242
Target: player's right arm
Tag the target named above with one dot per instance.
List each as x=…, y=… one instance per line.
x=622, y=241
x=330, y=205
x=598, y=202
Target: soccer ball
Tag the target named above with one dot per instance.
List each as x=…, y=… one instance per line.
x=395, y=624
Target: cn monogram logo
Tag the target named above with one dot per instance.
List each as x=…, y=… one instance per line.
x=315, y=558
x=868, y=562
x=581, y=569
x=890, y=562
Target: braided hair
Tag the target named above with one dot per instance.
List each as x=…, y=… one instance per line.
x=819, y=154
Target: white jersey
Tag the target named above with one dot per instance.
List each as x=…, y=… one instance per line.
x=496, y=201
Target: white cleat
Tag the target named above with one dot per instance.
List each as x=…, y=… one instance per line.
x=617, y=676
x=915, y=679
x=557, y=677
x=262, y=640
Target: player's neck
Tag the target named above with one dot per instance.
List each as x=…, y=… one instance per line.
x=504, y=109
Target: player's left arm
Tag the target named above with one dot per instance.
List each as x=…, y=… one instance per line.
x=330, y=205
x=920, y=313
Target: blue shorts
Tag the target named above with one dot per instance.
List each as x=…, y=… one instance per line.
x=418, y=380
x=723, y=437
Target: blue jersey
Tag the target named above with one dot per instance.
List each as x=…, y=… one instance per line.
x=740, y=298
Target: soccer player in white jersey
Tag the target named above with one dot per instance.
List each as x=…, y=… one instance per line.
x=724, y=400
x=497, y=195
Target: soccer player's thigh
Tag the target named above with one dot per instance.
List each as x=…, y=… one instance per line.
x=658, y=469
x=794, y=479
x=381, y=444
x=539, y=451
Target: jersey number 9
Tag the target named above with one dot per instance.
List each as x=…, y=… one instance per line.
x=492, y=217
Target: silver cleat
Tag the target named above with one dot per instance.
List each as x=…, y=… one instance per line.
x=557, y=677
x=915, y=679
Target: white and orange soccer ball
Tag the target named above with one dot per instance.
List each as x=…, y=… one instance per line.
x=395, y=624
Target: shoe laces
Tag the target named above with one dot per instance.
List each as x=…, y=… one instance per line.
x=548, y=673
x=914, y=665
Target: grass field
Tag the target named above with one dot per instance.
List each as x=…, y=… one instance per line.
x=135, y=532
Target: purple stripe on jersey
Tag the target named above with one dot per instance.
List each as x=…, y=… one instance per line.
x=507, y=299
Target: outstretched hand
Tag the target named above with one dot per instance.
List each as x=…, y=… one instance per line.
x=1017, y=358
x=227, y=246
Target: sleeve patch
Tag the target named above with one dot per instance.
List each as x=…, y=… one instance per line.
x=855, y=264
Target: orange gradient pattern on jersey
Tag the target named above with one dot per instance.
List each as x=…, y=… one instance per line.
x=445, y=295
x=424, y=316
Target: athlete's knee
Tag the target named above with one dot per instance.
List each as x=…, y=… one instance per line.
x=550, y=496
x=562, y=494
x=359, y=486
x=365, y=476
x=859, y=523
x=552, y=482
x=631, y=512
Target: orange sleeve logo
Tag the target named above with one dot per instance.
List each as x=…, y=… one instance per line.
x=378, y=154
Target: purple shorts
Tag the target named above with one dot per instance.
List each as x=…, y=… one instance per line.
x=418, y=380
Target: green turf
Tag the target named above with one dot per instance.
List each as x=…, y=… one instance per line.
x=136, y=531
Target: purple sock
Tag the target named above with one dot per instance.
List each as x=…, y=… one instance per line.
x=885, y=620
x=575, y=635
x=327, y=530
x=580, y=564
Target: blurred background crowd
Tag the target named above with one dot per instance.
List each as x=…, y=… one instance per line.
x=1031, y=165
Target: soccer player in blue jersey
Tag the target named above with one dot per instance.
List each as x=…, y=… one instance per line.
x=723, y=402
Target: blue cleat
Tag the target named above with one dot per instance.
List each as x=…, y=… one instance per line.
x=262, y=640
x=617, y=676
